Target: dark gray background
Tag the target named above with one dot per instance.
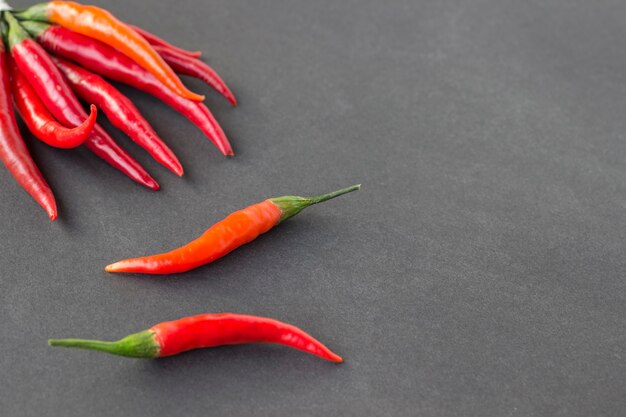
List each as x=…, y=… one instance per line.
x=480, y=271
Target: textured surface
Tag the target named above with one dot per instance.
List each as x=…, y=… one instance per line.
x=480, y=271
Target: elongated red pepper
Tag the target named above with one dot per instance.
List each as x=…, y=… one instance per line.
x=154, y=40
x=204, y=331
x=104, y=60
x=48, y=82
x=99, y=24
x=39, y=120
x=13, y=152
x=184, y=64
x=120, y=111
x=237, y=229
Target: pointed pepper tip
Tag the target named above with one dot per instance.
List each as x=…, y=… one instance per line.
x=337, y=359
x=53, y=215
x=194, y=97
x=153, y=185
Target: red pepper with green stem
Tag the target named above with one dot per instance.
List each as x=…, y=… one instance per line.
x=120, y=111
x=205, y=331
x=236, y=230
x=186, y=65
x=99, y=24
x=45, y=78
x=106, y=61
x=13, y=151
x=39, y=120
x=154, y=40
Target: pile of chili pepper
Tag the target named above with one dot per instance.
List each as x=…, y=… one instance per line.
x=55, y=57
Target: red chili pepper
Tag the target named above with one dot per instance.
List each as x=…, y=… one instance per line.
x=45, y=78
x=99, y=24
x=204, y=331
x=13, y=152
x=104, y=60
x=154, y=40
x=184, y=64
x=39, y=120
x=120, y=111
x=237, y=229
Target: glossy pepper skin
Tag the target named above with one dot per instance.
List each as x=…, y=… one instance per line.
x=237, y=229
x=186, y=65
x=99, y=24
x=39, y=120
x=52, y=88
x=13, y=152
x=120, y=111
x=106, y=61
x=154, y=40
x=205, y=331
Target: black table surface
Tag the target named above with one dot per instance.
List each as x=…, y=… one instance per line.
x=479, y=272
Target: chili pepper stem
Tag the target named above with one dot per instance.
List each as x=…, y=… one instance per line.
x=34, y=28
x=36, y=12
x=330, y=196
x=292, y=205
x=137, y=345
x=16, y=33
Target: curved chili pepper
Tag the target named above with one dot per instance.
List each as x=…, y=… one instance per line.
x=13, y=152
x=45, y=78
x=154, y=40
x=237, y=229
x=204, y=331
x=39, y=120
x=99, y=24
x=186, y=65
x=104, y=60
x=120, y=111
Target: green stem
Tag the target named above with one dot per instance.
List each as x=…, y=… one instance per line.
x=36, y=12
x=110, y=347
x=16, y=32
x=330, y=196
x=34, y=28
x=291, y=205
x=137, y=345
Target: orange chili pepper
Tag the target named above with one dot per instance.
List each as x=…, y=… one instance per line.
x=99, y=24
x=237, y=229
